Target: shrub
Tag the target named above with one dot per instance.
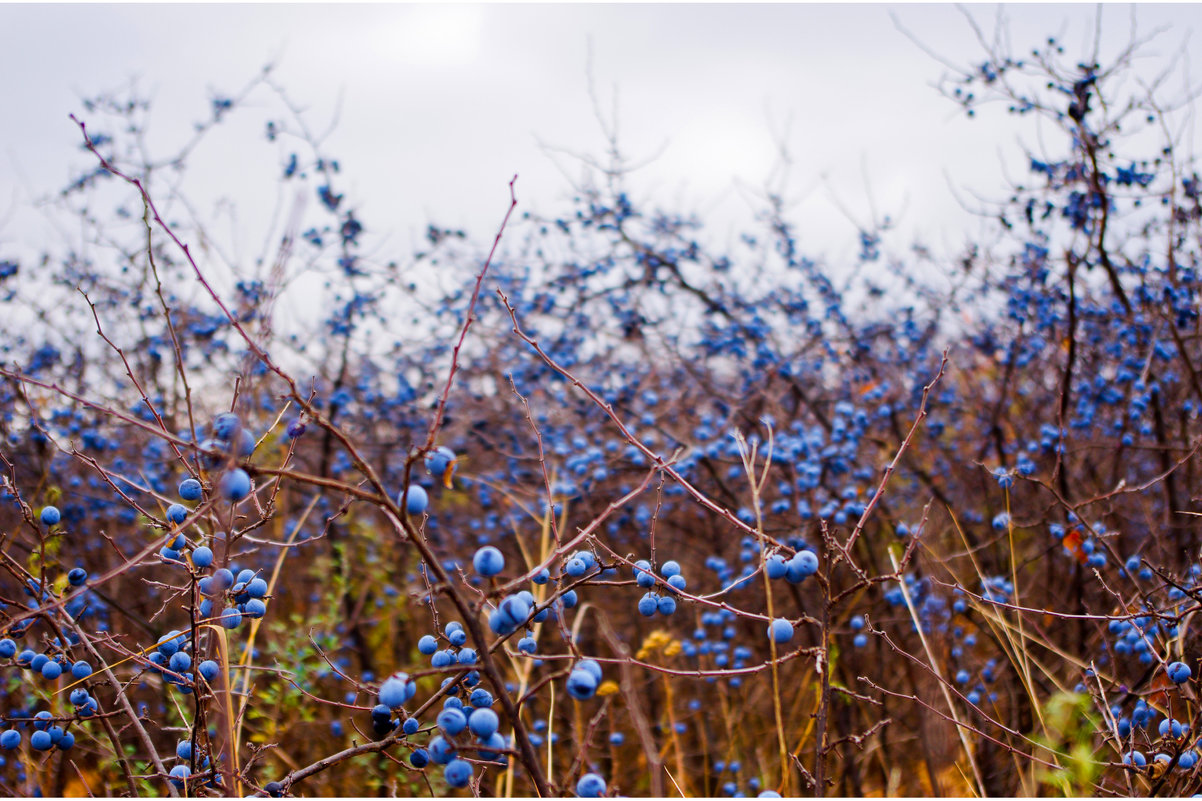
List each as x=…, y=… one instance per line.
x=620, y=511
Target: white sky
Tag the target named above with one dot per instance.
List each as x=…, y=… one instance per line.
x=441, y=104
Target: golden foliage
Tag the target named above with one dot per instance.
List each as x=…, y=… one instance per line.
x=658, y=640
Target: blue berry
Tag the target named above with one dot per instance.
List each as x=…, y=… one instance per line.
x=776, y=566
x=643, y=574
x=490, y=746
x=441, y=463
x=172, y=642
x=203, y=556
x=417, y=500
x=458, y=773
x=51, y=516
x=396, y=690
x=590, y=786
x=235, y=485
x=592, y=666
x=488, y=561
x=483, y=722
x=803, y=565
x=515, y=608
x=221, y=580
x=178, y=774
x=582, y=684
x=225, y=424
x=441, y=751
x=382, y=723
x=780, y=630
x=190, y=489
x=1179, y=672
x=451, y=720
x=213, y=457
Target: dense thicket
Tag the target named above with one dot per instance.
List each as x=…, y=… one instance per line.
x=934, y=523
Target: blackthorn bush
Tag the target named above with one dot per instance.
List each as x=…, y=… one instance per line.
x=612, y=510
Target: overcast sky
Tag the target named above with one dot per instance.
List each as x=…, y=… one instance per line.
x=439, y=105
